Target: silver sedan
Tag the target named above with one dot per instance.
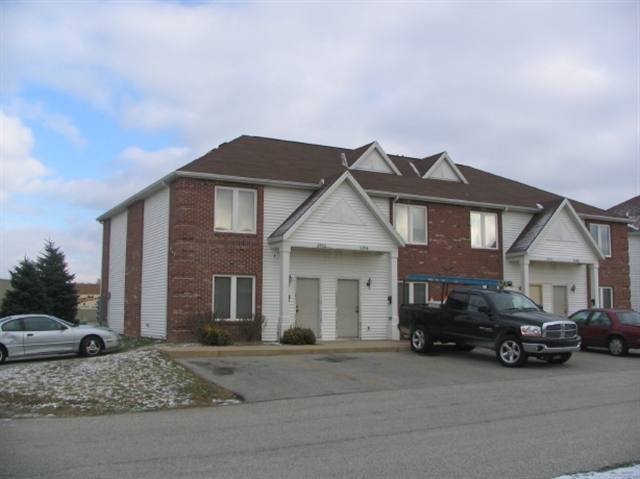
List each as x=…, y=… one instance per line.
x=32, y=335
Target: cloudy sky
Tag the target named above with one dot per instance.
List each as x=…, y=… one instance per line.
x=97, y=100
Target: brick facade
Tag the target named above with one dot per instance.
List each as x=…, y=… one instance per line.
x=614, y=271
x=197, y=253
x=104, y=276
x=133, y=272
x=448, y=250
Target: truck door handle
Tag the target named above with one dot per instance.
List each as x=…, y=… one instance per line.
x=297, y=308
x=29, y=334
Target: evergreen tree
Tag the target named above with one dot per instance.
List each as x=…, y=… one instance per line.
x=26, y=294
x=60, y=292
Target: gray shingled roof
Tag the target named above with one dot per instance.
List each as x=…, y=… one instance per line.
x=629, y=209
x=533, y=229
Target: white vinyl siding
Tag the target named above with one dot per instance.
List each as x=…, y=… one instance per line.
x=634, y=269
x=343, y=221
x=549, y=275
x=411, y=223
x=279, y=203
x=235, y=210
x=512, y=226
x=383, y=205
x=155, y=259
x=330, y=266
x=484, y=230
x=563, y=241
x=117, y=266
x=602, y=236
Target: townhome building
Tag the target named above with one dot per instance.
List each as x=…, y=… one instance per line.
x=631, y=210
x=324, y=237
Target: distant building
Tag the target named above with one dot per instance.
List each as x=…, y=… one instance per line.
x=631, y=210
x=88, y=296
x=5, y=285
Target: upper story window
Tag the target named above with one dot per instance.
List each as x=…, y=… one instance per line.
x=411, y=223
x=235, y=210
x=484, y=230
x=602, y=236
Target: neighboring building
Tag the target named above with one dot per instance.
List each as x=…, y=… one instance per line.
x=631, y=210
x=88, y=297
x=320, y=236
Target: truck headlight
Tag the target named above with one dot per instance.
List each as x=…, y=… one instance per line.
x=530, y=330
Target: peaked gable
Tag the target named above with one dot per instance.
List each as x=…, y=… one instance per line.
x=556, y=232
x=375, y=159
x=341, y=202
x=445, y=169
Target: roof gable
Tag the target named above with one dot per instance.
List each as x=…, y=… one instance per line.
x=340, y=213
x=557, y=225
x=445, y=169
x=375, y=159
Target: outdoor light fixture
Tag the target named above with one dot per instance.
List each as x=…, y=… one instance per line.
x=573, y=288
x=369, y=283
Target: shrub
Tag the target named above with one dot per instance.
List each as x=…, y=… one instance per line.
x=297, y=335
x=214, y=335
x=250, y=329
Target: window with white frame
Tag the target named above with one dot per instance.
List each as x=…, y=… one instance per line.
x=484, y=230
x=412, y=293
x=233, y=297
x=411, y=223
x=235, y=210
x=606, y=297
x=602, y=236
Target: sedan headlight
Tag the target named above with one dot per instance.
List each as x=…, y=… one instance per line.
x=530, y=330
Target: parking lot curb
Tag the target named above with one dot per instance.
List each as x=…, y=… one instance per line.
x=334, y=347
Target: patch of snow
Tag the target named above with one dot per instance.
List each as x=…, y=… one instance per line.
x=629, y=472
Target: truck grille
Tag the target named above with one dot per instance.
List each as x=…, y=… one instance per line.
x=560, y=330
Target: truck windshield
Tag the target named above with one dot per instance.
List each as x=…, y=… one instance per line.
x=510, y=302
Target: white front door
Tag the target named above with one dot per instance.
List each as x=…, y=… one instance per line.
x=347, y=309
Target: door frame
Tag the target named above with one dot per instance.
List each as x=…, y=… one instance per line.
x=359, y=304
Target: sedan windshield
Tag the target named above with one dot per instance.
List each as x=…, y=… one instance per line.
x=513, y=302
x=629, y=317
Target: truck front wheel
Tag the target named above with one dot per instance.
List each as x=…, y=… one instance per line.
x=421, y=342
x=510, y=352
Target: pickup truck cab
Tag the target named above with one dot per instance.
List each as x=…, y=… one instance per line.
x=505, y=321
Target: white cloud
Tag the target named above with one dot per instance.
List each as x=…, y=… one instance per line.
x=19, y=171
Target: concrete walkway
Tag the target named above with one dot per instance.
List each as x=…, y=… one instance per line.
x=277, y=349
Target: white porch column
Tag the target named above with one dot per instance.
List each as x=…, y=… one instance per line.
x=285, y=259
x=524, y=272
x=393, y=279
x=594, y=272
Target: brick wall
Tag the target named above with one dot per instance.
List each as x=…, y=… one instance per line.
x=104, y=281
x=449, y=251
x=196, y=253
x=614, y=271
x=133, y=271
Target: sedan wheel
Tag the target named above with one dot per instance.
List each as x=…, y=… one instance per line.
x=617, y=346
x=90, y=346
x=3, y=354
x=510, y=353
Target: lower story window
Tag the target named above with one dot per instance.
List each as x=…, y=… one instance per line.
x=410, y=293
x=606, y=297
x=233, y=297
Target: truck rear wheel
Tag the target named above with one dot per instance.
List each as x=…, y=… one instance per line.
x=510, y=352
x=421, y=341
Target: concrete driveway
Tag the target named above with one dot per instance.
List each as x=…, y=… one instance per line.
x=285, y=377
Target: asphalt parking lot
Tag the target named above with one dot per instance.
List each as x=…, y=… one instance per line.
x=284, y=377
